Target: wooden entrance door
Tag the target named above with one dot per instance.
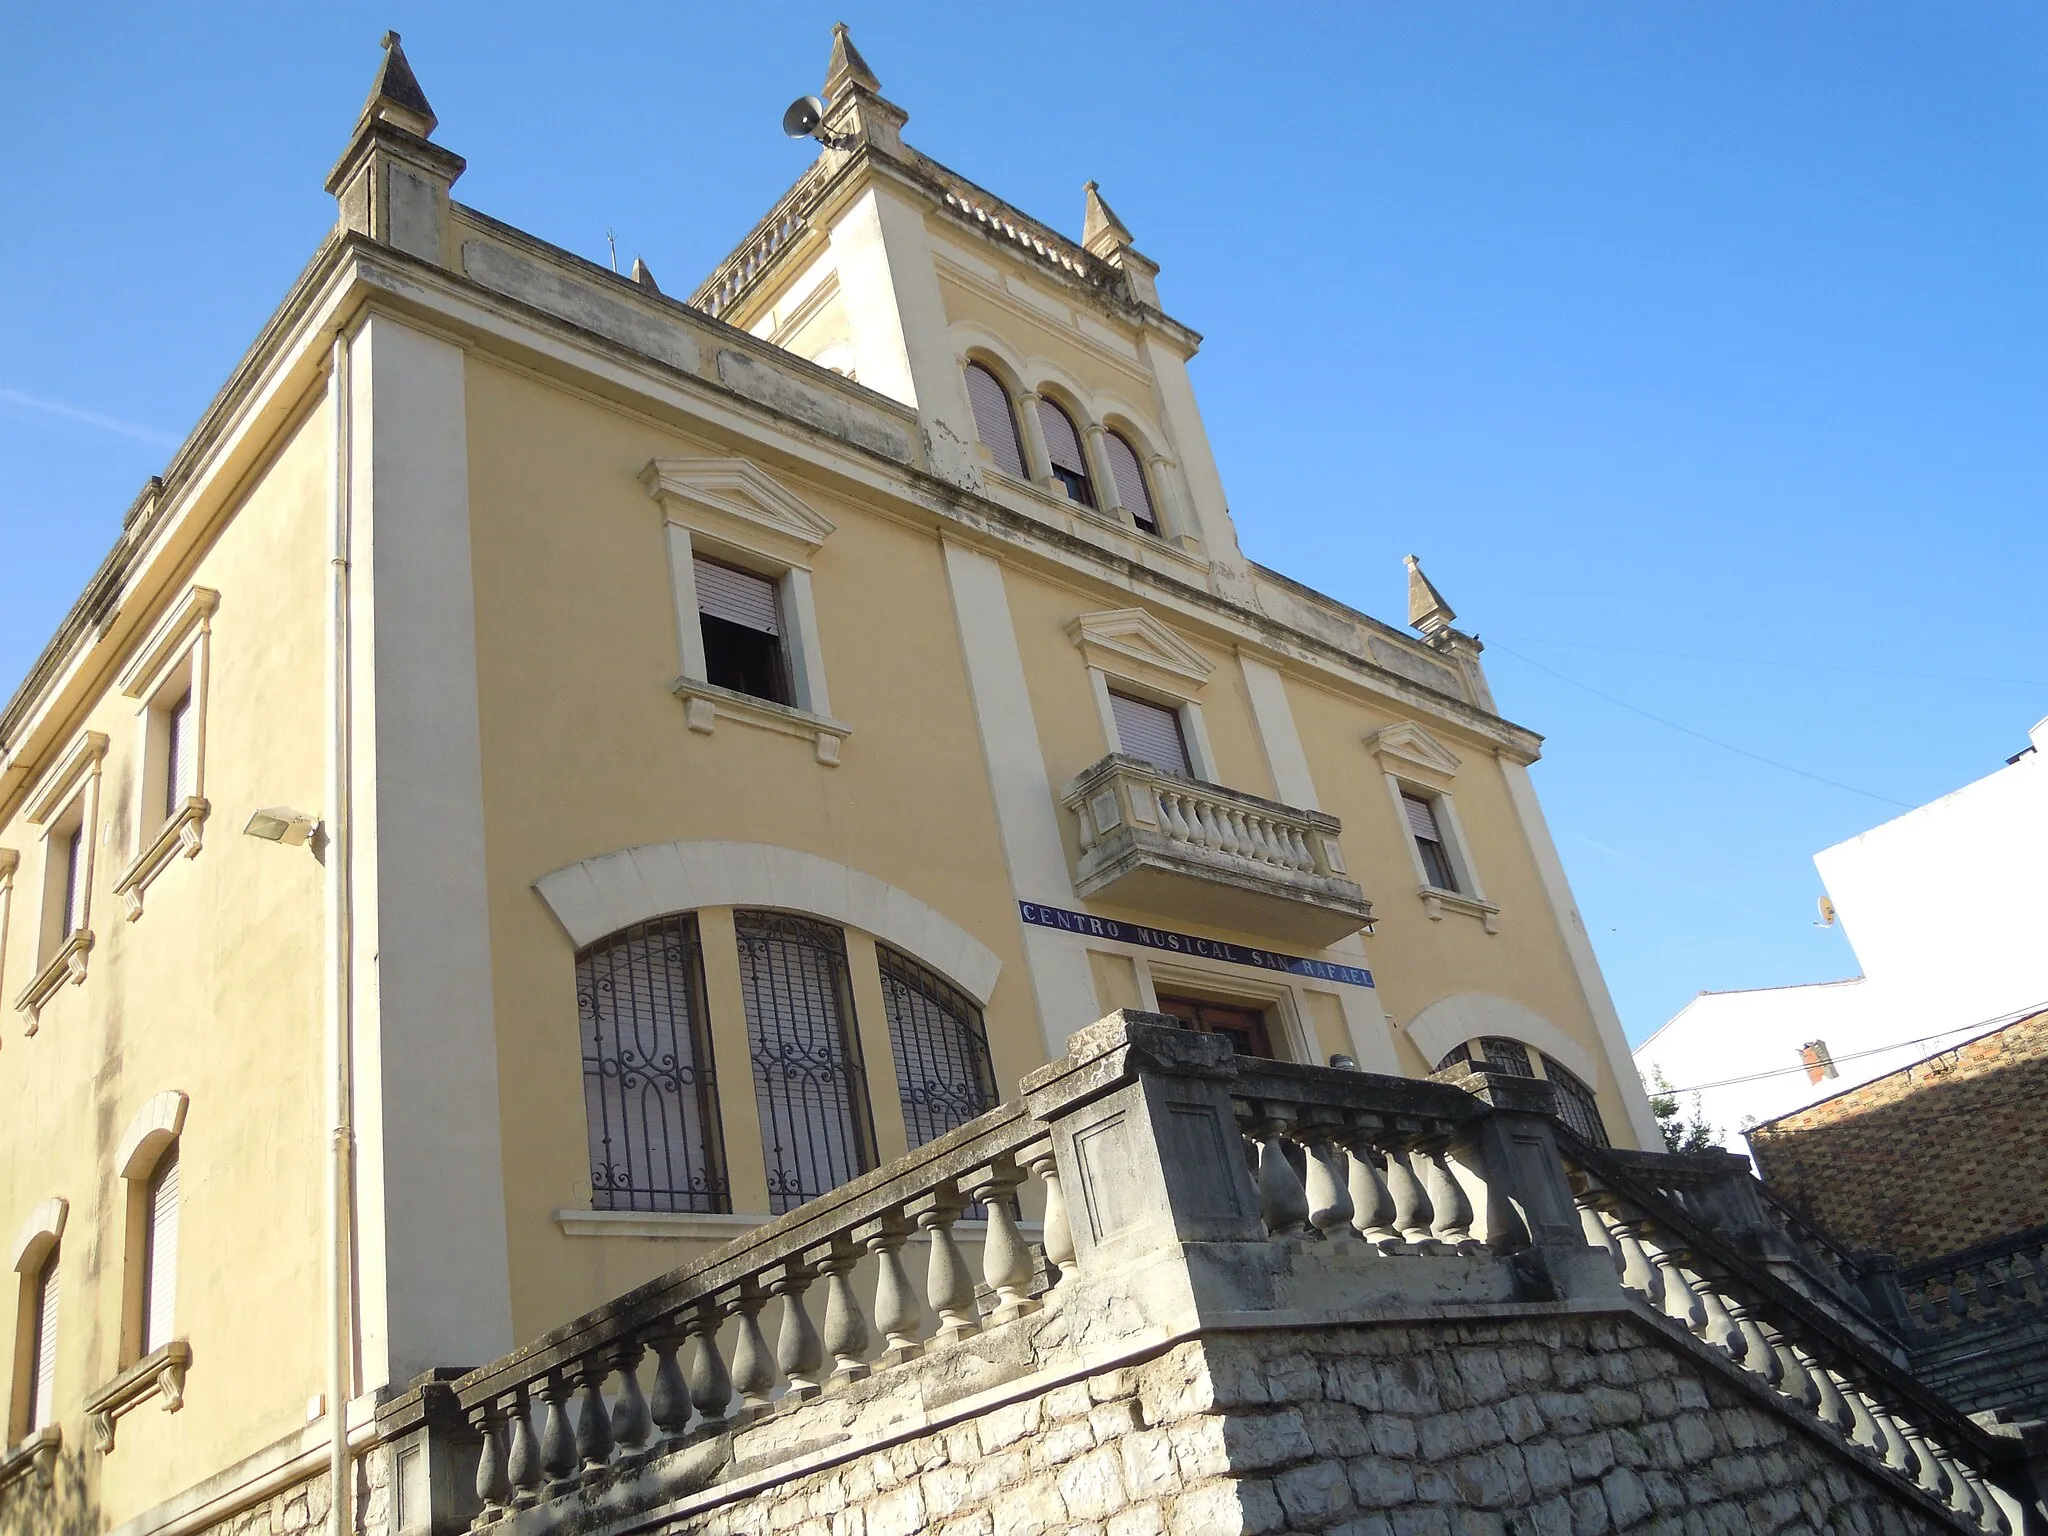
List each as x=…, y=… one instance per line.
x=1244, y=1028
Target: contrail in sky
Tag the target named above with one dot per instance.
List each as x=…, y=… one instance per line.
x=22, y=400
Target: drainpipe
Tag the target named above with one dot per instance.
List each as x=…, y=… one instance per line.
x=340, y=957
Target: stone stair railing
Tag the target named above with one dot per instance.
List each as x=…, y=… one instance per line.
x=1979, y=1287
x=1170, y=1168
x=648, y=1373
x=1678, y=1266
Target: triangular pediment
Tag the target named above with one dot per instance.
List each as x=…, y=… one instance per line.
x=1413, y=745
x=1133, y=637
x=740, y=489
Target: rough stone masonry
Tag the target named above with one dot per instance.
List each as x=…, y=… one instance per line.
x=1572, y=1426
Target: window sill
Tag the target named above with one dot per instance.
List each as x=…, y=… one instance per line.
x=722, y=1228
x=1435, y=900
x=160, y=1373
x=1181, y=547
x=68, y=964
x=180, y=835
x=705, y=704
x=36, y=1454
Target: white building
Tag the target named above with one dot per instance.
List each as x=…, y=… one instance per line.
x=1946, y=908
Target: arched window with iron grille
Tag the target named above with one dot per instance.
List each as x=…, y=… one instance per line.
x=943, y=1072
x=1063, y=447
x=1576, y=1105
x=1132, y=489
x=995, y=419
x=1497, y=1053
x=816, y=1127
x=648, y=1085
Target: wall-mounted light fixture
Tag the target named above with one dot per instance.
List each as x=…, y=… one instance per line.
x=281, y=824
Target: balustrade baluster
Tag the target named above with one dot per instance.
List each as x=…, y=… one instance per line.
x=1958, y=1303
x=846, y=1326
x=710, y=1383
x=1720, y=1329
x=1171, y=816
x=753, y=1368
x=670, y=1402
x=1283, y=1203
x=1797, y=1383
x=1229, y=830
x=1005, y=1258
x=557, y=1443
x=1898, y=1454
x=1638, y=1273
x=1059, y=1233
x=1595, y=1231
x=1212, y=835
x=1757, y=1354
x=799, y=1352
x=1679, y=1303
x=1372, y=1206
x=1863, y=1429
x=1414, y=1216
x=897, y=1312
x=493, y=1487
x=1832, y=1408
x=1927, y=1472
x=1453, y=1224
x=593, y=1422
x=632, y=1426
x=522, y=1458
x=948, y=1287
x=1983, y=1507
x=1329, y=1202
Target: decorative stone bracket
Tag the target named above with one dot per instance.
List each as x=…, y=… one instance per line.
x=68, y=964
x=161, y=1373
x=1435, y=900
x=36, y=1455
x=180, y=835
x=704, y=704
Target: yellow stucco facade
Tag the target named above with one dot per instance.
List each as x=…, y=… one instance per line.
x=425, y=571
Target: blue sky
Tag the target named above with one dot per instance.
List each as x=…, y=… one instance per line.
x=1698, y=350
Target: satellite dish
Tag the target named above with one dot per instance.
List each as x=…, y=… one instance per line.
x=803, y=117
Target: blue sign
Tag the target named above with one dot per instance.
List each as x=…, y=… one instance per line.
x=1093, y=927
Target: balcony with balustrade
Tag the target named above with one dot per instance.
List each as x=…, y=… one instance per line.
x=1183, y=850
x=1192, y=1200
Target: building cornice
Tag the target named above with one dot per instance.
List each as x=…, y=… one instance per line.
x=274, y=383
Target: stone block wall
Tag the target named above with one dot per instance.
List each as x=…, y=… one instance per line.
x=1568, y=1425
x=1941, y=1155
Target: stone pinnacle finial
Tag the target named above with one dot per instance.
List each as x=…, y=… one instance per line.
x=1102, y=231
x=1427, y=610
x=395, y=96
x=846, y=67
x=644, y=277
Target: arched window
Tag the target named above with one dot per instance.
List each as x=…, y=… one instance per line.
x=648, y=1089
x=41, y=1341
x=1063, y=447
x=1576, y=1106
x=995, y=420
x=1131, y=488
x=160, y=1253
x=816, y=1127
x=1497, y=1053
x=943, y=1072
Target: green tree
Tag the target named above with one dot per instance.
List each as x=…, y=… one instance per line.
x=1680, y=1134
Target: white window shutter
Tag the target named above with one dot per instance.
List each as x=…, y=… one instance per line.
x=1152, y=732
x=181, y=757
x=994, y=420
x=738, y=597
x=159, y=1324
x=46, y=1346
x=1129, y=474
x=1421, y=818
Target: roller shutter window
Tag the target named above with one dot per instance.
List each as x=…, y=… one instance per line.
x=1429, y=841
x=1063, y=447
x=43, y=1376
x=74, y=881
x=1151, y=732
x=181, y=756
x=160, y=1262
x=994, y=420
x=738, y=597
x=1131, y=488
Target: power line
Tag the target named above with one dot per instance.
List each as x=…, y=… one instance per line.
x=1712, y=741
x=1985, y=1025
x=1796, y=666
